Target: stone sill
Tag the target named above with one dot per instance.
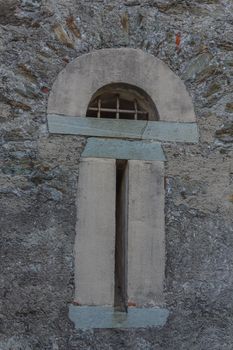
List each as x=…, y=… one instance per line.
x=126, y=129
x=90, y=317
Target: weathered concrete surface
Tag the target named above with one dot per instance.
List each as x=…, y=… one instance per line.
x=146, y=235
x=39, y=173
x=90, y=72
x=95, y=232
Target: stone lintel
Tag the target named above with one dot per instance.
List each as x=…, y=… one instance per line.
x=126, y=129
x=171, y=132
x=96, y=127
x=123, y=149
x=89, y=317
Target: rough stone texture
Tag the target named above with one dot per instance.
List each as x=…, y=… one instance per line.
x=39, y=172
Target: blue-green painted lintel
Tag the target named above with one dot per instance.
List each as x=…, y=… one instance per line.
x=124, y=129
x=123, y=149
x=89, y=317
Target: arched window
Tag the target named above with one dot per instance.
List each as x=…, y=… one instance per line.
x=122, y=101
x=126, y=102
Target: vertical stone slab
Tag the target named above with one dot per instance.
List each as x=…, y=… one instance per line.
x=95, y=232
x=146, y=244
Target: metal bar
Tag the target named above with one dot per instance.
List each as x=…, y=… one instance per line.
x=114, y=110
x=99, y=108
x=117, y=107
x=136, y=110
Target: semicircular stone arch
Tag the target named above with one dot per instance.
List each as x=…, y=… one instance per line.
x=80, y=79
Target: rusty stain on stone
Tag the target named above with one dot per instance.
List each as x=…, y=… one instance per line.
x=20, y=105
x=62, y=35
x=26, y=71
x=125, y=22
x=71, y=24
x=229, y=107
x=131, y=303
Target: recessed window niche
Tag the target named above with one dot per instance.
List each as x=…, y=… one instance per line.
x=122, y=101
x=126, y=102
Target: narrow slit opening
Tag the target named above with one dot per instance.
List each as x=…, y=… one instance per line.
x=120, y=298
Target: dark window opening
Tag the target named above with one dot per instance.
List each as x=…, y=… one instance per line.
x=122, y=101
x=121, y=239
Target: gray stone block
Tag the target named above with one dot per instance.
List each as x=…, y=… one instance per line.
x=88, y=317
x=171, y=132
x=124, y=129
x=122, y=149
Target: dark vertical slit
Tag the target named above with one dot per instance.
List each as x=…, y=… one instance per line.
x=120, y=299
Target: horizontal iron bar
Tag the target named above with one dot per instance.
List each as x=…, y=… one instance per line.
x=114, y=110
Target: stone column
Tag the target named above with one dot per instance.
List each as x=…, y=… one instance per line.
x=95, y=232
x=146, y=251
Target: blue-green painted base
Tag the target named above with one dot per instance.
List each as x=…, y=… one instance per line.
x=89, y=317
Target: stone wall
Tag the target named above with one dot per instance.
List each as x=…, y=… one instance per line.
x=39, y=172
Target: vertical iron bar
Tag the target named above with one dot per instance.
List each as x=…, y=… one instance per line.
x=117, y=107
x=99, y=108
x=136, y=110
